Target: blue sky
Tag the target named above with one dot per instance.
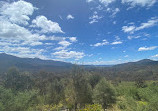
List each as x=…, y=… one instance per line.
x=80, y=31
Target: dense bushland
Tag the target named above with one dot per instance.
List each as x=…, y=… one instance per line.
x=78, y=90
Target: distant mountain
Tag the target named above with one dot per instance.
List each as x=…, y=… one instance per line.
x=139, y=64
x=146, y=68
x=31, y=64
x=126, y=71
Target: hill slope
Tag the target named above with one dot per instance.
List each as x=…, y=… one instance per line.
x=128, y=71
x=31, y=64
x=146, y=68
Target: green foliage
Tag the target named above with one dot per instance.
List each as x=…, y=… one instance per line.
x=140, y=82
x=79, y=90
x=104, y=93
x=94, y=79
x=132, y=98
x=93, y=107
x=48, y=107
x=24, y=100
x=82, y=88
x=70, y=94
x=16, y=80
x=16, y=102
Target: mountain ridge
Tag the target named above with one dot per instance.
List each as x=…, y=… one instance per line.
x=36, y=64
x=31, y=64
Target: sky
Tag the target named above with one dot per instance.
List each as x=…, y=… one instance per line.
x=98, y=32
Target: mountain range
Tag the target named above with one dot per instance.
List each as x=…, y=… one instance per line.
x=31, y=64
x=146, y=67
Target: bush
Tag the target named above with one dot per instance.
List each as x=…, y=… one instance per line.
x=104, y=94
x=93, y=107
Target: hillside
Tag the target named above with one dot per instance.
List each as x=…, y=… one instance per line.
x=145, y=68
x=31, y=64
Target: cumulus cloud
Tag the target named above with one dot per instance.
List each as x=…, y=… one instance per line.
x=67, y=41
x=142, y=3
x=147, y=48
x=64, y=43
x=19, y=40
x=69, y=17
x=17, y=12
x=131, y=29
x=47, y=26
x=23, y=52
x=73, y=39
x=65, y=54
x=14, y=31
x=106, y=2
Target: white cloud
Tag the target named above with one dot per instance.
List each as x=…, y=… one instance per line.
x=104, y=42
x=60, y=48
x=106, y=2
x=65, y=54
x=24, y=52
x=112, y=11
x=117, y=38
x=133, y=37
x=17, y=12
x=89, y=0
x=155, y=55
x=99, y=7
x=94, y=18
x=14, y=31
x=93, y=21
x=69, y=17
x=142, y=3
x=101, y=62
x=116, y=42
x=64, y=43
x=47, y=26
x=36, y=43
x=131, y=29
x=148, y=24
x=115, y=11
x=128, y=29
x=147, y=48
x=73, y=39
x=19, y=40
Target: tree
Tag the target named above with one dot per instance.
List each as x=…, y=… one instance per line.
x=140, y=82
x=104, y=93
x=94, y=79
x=16, y=80
x=93, y=107
x=82, y=88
